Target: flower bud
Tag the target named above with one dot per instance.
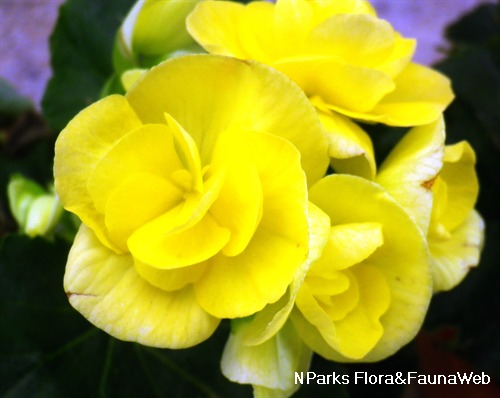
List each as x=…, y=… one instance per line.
x=35, y=210
x=151, y=32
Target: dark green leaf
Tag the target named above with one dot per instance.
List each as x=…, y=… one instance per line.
x=11, y=102
x=47, y=349
x=81, y=48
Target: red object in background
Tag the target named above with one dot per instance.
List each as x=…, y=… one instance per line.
x=435, y=357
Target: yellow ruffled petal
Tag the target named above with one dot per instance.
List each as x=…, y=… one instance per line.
x=244, y=93
x=238, y=206
x=456, y=231
x=339, y=51
x=242, y=285
x=129, y=77
x=348, y=244
x=402, y=262
x=139, y=200
x=411, y=168
x=337, y=82
x=79, y=148
x=370, y=44
x=97, y=279
x=269, y=366
x=188, y=153
x=223, y=27
x=453, y=258
x=148, y=149
x=461, y=181
x=170, y=242
x=361, y=329
x=266, y=323
x=421, y=95
x=170, y=279
x=358, y=329
x=351, y=149
x=323, y=9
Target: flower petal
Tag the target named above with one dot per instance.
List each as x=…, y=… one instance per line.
x=462, y=184
x=351, y=149
x=358, y=39
x=230, y=94
x=160, y=245
x=266, y=323
x=79, y=148
x=453, y=258
x=140, y=199
x=337, y=82
x=270, y=365
x=421, y=95
x=409, y=171
x=242, y=285
x=349, y=244
x=147, y=149
x=228, y=28
x=97, y=279
x=170, y=279
x=403, y=259
x=238, y=206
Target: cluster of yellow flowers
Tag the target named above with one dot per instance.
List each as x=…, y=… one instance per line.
x=204, y=192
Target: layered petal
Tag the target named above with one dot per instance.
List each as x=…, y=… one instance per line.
x=454, y=257
x=270, y=366
x=350, y=149
x=229, y=94
x=456, y=230
x=79, y=148
x=420, y=96
x=266, y=323
x=372, y=299
x=201, y=197
x=339, y=51
x=240, y=285
x=97, y=279
x=409, y=172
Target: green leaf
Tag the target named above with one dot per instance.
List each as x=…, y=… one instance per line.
x=11, y=102
x=81, y=48
x=47, y=349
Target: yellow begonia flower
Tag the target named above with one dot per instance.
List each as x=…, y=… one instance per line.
x=456, y=230
x=438, y=186
x=367, y=294
x=193, y=193
x=345, y=58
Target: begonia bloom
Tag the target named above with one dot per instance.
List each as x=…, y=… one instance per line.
x=193, y=194
x=456, y=230
x=438, y=187
x=367, y=294
x=340, y=53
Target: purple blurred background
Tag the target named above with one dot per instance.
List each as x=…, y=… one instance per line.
x=25, y=26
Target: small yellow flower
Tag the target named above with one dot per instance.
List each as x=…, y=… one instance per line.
x=345, y=58
x=193, y=194
x=456, y=230
x=438, y=186
x=367, y=294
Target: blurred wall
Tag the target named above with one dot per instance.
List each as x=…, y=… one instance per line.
x=25, y=26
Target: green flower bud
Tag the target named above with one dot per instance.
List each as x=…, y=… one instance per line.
x=153, y=31
x=35, y=210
